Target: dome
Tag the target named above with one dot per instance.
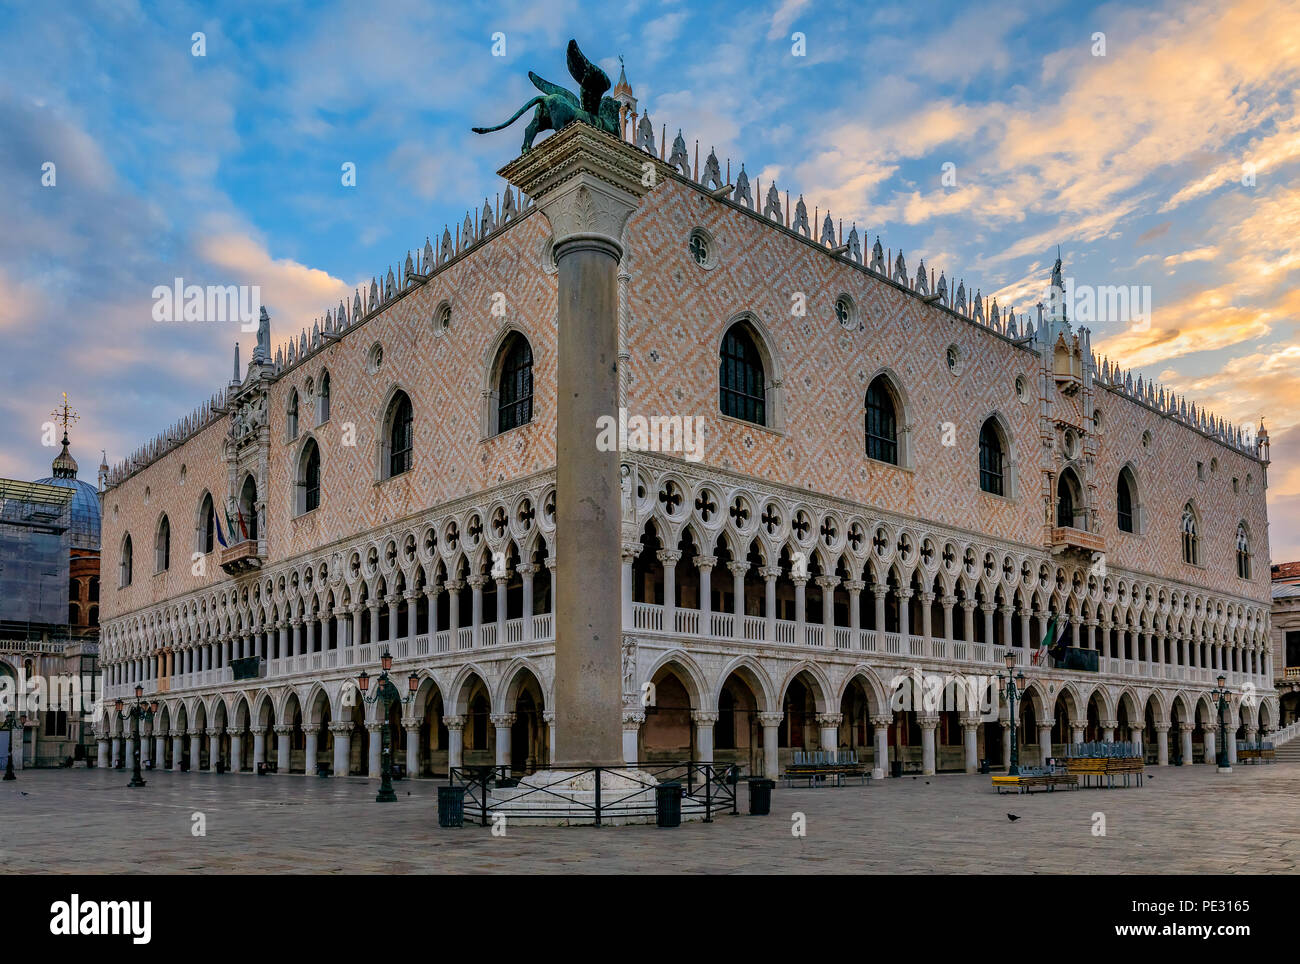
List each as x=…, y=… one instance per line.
x=83, y=509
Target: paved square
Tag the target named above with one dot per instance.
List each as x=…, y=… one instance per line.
x=1185, y=820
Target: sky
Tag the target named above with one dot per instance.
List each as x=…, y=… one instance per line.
x=1157, y=143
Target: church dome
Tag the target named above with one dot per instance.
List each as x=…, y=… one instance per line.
x=83, y=510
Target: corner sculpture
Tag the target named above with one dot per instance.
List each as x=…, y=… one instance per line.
x=557, y=107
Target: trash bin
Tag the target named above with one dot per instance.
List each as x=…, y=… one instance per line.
x=984, y=765
x=760, y=796
x=261, y=769
x=668, y=804
x=322, y=769
x=895, y=768
x=451, y=806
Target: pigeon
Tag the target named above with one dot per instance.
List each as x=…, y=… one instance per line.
x=1012, y=817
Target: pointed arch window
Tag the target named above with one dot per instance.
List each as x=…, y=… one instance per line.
x=1191, y=542
x=292, y=415
x=1243, y=551
x=207, y=524
x=992, y=458
x=125, y=565
x=1068, y=500
x=1124, y=502
x=246, y=517
x=308, y=481
x=399, y=436
x=163, y=546
x=882, y=422
x=741, y=379
x=323, y=403
x=515, y=386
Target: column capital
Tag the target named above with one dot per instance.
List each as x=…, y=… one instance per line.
x=879, y=589
x=854, y=585
x=1109, y=724
x=704, y=717
x=738, y=567
x=453, y=722
x=927, y=722
x=502, y=719
x=828, y=582
x=632, y=720
x=586, y=182
x=771, y=719
x=284, y=729
x=770, y=573
x=338, y=727
x=412, y=722
x=475, y=581
x=1079, y=724
x=926, y=597
x=705, y=562
x=830, y=719
x=630, y=550
x=372, y=726
x=1161, y=726
x=525, y=568
x=667, y=556
x=947, y=601
x=882, y=721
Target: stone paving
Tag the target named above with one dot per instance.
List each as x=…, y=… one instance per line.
x=1185, y=820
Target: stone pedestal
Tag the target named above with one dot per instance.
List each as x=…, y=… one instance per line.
x=586, y=184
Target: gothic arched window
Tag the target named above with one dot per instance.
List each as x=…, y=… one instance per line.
x=882, y=422
x=124, y=567
x=207, y=524
x=1191, y=543
x=163, y=546
x=1124, y=500
x=741, y=379
x=323, y=403
x=1243, y=551
x=992, y=458
x=291, y=422
x=308, y=481
x=515, y=384
x=399, y=435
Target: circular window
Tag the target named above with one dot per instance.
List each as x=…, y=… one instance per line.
x=441, y=321
x=954, y=359
x=702, y=248
x=1071, y=444
x=846, y=313
x=1022, y=390
x=375, y=360
x=548, y=256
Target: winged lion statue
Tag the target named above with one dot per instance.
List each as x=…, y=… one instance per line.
x=558, y=107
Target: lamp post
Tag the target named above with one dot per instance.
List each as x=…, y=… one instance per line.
x=386, y=695
x=1223, y=695
x=1012, y=693
x=140, y=710
x=12, y=722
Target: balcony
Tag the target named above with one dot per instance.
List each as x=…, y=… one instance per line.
x=242, y=557
x=1067, y=538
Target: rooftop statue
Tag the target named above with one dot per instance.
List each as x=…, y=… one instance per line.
x=557, y=107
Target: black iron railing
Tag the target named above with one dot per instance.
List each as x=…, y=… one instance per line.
x=707, y=788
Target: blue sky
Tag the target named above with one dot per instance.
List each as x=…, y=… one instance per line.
x=225, y=169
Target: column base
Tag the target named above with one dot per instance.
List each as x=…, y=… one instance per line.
x=567, y=798
x=1224, y=770
x=877, y=774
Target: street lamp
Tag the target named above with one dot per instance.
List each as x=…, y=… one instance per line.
x=11, y=722
x=139, y=710
x=386, y=694
x=1012, y=693
x=1223, y=695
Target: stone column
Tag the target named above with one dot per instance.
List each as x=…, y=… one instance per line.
x=738, y=569
x=525, y=570
x=968, y=619
x=236, y=751
x=283, y=751
x=1187, y=742
x=586, y=184
x=829, y=724
x=1006, y=744
x=548, y=717
x=455, y=740
x=855, y=587
x=159, y=751
x=214, y=749
x=770, y=575
x=311, y=750
x=503, y=722
x=196, y=751
x=103, y=752
x=771, y=723
x=704, y=723
x=1162, y=744
x=1108, y=730
x=969, y=732
x=632, y=721
x=626, y=589
x=1044, y=742
x=475, y=584
x=1211, y=746
x=1078, y=729
x=800, y=613
x=927, y=725
x=259, y=746
x=502, y=582
x=827, y=585
x=880, y=591
x=342, y=762
x=669, y=557
x=927, y=619
x=412, y=728
x=987, y=609
x=1231, y=737
x=705, y=564
x=376, y=763
x=880, y=730
x=947, y=602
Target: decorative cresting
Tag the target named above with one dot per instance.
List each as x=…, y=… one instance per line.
x=587, y=183
x=557, y=108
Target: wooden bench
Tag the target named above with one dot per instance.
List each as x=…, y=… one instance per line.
x=1034, y=781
